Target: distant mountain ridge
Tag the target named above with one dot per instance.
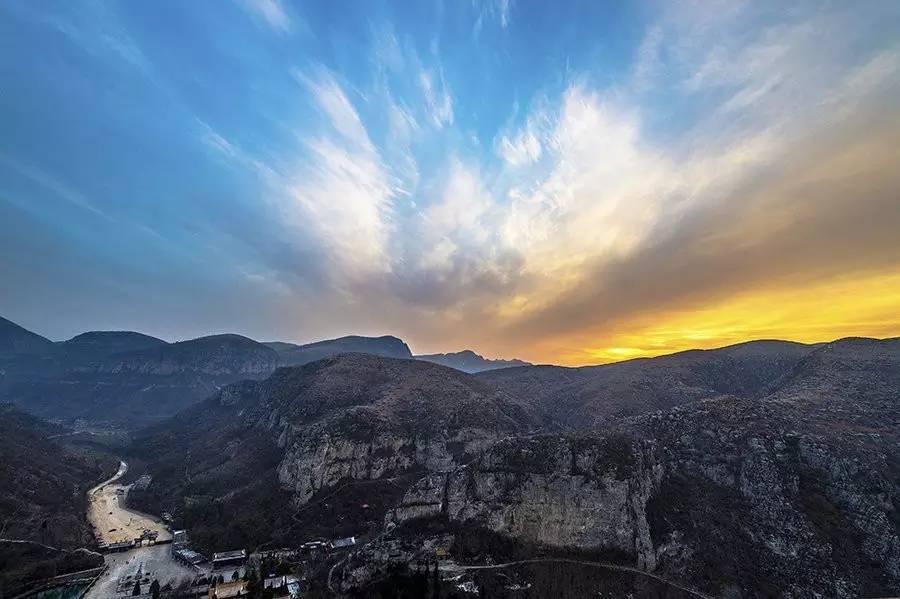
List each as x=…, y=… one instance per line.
x=15, y=340
x=95, y=345
x=586, y=397
x=788, y=453
x=469, y=361
x=214, y=355
x=130, y=379
x=291, y=354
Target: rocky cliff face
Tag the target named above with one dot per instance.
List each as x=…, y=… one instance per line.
x=799, y=517
x=359, y=417
x=584, y=493
x=317, y=459
x=775, y=479
x=352, y=418
x=799, y=484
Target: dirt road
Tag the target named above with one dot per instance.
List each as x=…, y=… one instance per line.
x=113, y=522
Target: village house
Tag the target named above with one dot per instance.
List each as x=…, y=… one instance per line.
x=227, y=590
x=343, y=543
x=224, y=559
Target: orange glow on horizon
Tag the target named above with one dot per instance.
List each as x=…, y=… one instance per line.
x=867, y=306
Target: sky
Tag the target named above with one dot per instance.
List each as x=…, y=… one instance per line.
x=566, y=182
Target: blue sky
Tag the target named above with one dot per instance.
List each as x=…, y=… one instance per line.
x=504, y=174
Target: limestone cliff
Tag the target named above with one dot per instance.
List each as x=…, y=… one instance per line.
x=787, y=490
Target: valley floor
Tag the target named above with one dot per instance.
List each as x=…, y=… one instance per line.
x=112, y=521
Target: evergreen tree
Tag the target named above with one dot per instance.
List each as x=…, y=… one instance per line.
x=137, y=588
x=154, y=589
x=254, y=582
x=436, y=582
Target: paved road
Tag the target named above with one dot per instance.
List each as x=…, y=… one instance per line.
x=604, y=565
x=123, y=468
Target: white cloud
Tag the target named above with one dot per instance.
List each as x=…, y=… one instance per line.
x=345, y=197
x=332, y=100
x=344, y=191
x=459, y=214
x=503, y=8
x=438, y=102
x=231, y=150
x=523, y=149
x=599, y=193
x=271, y=11
x=589, y=179
x=492, y=10
x=47, y=181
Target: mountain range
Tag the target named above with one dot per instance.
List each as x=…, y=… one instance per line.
x=786, y=453
x=469, y=361
x=767, y=468
x=129, y=379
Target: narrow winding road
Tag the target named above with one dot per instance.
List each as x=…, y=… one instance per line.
x=604, y=565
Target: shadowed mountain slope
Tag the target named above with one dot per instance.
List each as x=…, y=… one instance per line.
x=589, y=397
x=469, y=361
x=787, y=454
x=16, y=340
x=138, y=387
x=388, y=346
x=42, y=499
x=93, y=346
x=306, y=429
x=799, y=478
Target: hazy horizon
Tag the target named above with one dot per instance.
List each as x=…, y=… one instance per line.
x=570, y=184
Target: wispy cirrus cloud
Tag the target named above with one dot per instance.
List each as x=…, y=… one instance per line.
x=344, y=191
x=437, y=97
x=498, y=11
x=525, y=148
x=272, y=12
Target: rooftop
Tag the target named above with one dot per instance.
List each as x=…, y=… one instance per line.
x=226, y=590
x=189, y=555
x=347, y=542
x=235, y=554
